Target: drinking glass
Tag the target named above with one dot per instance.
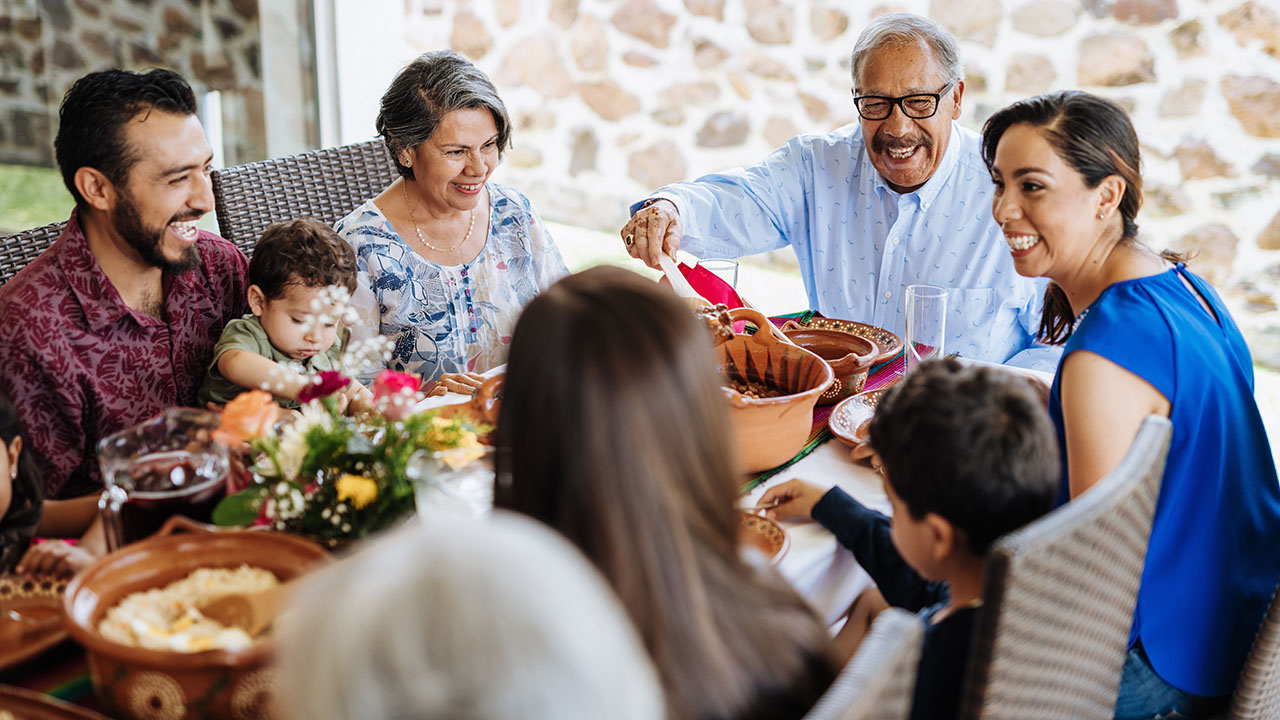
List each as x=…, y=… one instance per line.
x=724, y=268
x=926, y=323
x=455, y=480
x=168, y=465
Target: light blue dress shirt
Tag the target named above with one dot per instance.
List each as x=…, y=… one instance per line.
x=860, y=243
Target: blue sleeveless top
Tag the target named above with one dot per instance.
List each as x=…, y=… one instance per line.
x=1214, y=556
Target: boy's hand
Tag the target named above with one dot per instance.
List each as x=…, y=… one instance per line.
x=55, y=557
x=361, y=400
x=795, y=498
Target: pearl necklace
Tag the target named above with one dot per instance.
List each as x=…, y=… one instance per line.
x=409, y=206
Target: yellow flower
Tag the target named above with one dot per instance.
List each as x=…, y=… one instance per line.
x=357, y=489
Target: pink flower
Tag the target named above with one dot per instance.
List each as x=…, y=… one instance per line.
x=395, y=393
x=323, y=384
x=390, y=383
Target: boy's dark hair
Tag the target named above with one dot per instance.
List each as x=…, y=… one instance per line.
x=95, y=110
x=972, y=444
x=301, y=252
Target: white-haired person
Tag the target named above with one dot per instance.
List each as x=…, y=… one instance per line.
x=497, y=618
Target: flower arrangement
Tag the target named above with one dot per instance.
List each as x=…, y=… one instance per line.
x=335, y=477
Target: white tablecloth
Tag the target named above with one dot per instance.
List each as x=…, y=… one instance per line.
x=820, y=569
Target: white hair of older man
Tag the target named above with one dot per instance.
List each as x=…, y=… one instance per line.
x=455, y=617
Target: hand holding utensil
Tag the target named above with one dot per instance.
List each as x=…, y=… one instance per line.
x=653, y=231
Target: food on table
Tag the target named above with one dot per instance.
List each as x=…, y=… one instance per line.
x=166, y=618
x=755, y=389
x=718, y=321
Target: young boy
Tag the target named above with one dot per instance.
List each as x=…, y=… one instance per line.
x=293, y=329
x=968, y=455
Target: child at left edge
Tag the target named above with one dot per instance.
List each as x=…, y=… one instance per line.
x=293, y=329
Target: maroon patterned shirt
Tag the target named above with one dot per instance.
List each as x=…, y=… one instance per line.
x=80, y=364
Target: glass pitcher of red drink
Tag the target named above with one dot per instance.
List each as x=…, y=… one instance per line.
x=168, y=465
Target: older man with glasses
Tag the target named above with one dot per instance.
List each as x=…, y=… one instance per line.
x=902, y=197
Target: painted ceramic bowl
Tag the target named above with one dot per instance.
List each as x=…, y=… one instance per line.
x=135, y=682
x=849, y=356
x=770, y=430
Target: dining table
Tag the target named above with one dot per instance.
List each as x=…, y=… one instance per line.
x=813, y=562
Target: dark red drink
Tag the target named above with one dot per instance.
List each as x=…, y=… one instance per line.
x=164, y=484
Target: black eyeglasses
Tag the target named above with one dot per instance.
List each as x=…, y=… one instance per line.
x=918, y=106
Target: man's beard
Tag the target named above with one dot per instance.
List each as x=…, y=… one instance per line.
x=147, y=241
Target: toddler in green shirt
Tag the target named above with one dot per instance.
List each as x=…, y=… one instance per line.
x=294, y=329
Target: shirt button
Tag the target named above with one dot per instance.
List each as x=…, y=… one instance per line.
x=897, y=240
x=887, y=294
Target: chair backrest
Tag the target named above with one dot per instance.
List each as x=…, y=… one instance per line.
x=1257, y=695
x=1060, y=593
x=19, y=249
x=323, y=184
x=879, y=680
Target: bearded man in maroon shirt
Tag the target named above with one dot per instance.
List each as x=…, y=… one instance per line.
x=117, y=320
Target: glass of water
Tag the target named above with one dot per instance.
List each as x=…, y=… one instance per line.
x=724, y=268
x=926, y=323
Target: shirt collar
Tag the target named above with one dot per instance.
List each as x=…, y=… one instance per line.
x=98, y=298
x=928, y=192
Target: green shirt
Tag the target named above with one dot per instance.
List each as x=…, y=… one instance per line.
x=247, y=334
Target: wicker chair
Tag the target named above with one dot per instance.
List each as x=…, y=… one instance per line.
x=17, y=250
x=323, y=184
x=1060, y=595
x=1257, y=695
x=878, y=682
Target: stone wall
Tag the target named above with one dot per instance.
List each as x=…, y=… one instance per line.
x=45, y=45
x=614, y=97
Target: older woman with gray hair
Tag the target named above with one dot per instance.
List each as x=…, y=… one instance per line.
x=497, y=619
x=446, y=259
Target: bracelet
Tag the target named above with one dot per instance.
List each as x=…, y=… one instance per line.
x=651, y=201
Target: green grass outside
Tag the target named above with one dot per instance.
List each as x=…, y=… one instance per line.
x=30, y=197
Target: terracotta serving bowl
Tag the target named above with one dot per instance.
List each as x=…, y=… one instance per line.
x=134, y=682
x=770, y=431
x=849, y=356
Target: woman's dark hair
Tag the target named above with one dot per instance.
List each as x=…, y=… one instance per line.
x=434, y=85
x=303, y=252
x=614, y=430
x=19, y=523
x=1094, y=136
x=992, y=463
x=94, y=113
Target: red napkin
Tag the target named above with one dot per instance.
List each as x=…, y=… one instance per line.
x=712, y=288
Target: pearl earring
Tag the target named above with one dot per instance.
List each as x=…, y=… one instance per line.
x=1101, y=215
x=13, y=473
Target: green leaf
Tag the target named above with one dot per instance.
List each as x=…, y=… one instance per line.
x=240, y=509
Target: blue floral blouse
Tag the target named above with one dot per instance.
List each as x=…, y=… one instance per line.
x=450, y=319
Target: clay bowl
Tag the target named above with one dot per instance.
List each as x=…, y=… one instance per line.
x=770, y=431
x=759, y=533
x=134, y=682
x=849, y=356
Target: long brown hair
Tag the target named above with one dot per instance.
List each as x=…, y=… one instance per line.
x=614, y=431
x=1095, y=137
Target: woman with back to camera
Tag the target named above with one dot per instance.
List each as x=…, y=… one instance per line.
x=446, y=258
x=1143, y=335
x=614, y=430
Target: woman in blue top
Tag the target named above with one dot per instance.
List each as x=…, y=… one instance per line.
x=1144, y=335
